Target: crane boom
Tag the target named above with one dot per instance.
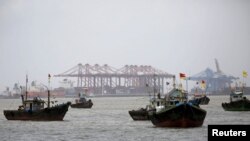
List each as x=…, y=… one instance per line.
x=217, y=66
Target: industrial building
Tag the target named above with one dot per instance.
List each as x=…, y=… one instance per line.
x=130, y=79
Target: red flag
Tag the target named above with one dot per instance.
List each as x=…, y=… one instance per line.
x=203, y=83
x=182, y=76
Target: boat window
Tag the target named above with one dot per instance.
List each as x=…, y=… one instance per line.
x=38, y=106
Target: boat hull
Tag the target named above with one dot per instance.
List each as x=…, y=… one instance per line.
x=141, y=114
x=87, y=104
x=183, y=115
x=241, y=105
x=204, y=100
x=55, y=113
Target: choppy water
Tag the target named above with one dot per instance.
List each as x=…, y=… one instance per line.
x=108, y=120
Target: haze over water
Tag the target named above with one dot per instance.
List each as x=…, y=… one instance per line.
x=44, y=36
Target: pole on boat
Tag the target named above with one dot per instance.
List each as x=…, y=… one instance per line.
x=154, y=85
x=187, y=83
x=48, y=90
x=174, y=85
x=26, y=91
x=22, y=94
x=167, y=83
x=148, y=90
x=102, y=85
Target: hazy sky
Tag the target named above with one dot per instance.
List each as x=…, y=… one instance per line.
x=51, y=36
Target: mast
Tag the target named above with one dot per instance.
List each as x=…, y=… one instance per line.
x=22, y=95
x=26, y=91
x=148, y=90
x=49, y=91
x=174, y=85
x=154, y=85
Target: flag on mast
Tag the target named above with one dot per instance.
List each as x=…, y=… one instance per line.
x=182, y=76
x=203, y=84
x=244, y=73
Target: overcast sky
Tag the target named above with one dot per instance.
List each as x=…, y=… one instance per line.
x=51, y=36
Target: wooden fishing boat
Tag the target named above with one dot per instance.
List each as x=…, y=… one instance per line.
x=175, y=111
x=201, y=99
x=35, y=110
x=238, y=102
x=139, y=114
x=82, y=101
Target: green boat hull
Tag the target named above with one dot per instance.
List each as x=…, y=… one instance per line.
x=184, y=115
x=241, y=105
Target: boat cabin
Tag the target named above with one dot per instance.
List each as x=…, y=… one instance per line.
x=176, y=95
x=33, y=105
x=157, y=103
x=82, y=98
x=236, y=96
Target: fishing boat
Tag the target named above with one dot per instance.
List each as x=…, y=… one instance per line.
x=35, y=110
x=142, y=113
x=139, y=114
x=82, y=101
x=238, y=102
x=201, y=99
x=174, y=110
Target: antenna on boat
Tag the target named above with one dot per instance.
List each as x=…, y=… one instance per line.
x=48, y=90
x=154, y=85
x=188, y=78
x=148, y=90
x=174, y=85
x=167, y=83
x=22, y=94
x=26, y=91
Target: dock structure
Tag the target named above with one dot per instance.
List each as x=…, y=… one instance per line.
x=217, y=82
x=130, y=79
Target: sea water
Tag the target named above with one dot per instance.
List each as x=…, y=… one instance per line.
x=108, y=120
